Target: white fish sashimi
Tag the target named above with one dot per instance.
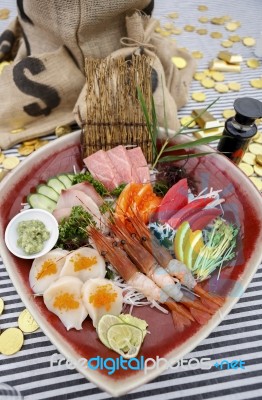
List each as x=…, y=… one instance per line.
x=84, y=263
x=46, y=269
x=63, y=298
x=71, y=198
x=88, y=189
x=62, y=213
x=100, y=297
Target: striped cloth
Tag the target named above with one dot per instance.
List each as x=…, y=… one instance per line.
x=238, y=337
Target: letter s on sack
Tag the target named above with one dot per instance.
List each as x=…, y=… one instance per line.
x=47, y=94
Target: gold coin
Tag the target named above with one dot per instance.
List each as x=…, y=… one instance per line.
x=255, y=137
x=169, y=26
x=217, y=21
x=235, y=86
x=231, y=26
x=31, y=142
x=249, y=41
x=165, y=33
x=227, y=43
x=158, y=29
x=201, y=31
x=259, y=159
x=216, y=35
x=247, y=168
x=41, y=143
x=258, y=169
x=177, y=31
x=202, y=8
x=4, y=13
x=11, y=341
x=198, y=76
x=26, y=150
x=26, y=322
x=3, y=173
x=249, y=158
x=258, y=138
x=2, y=306
x=185, y=121
x=259, y=121
x=228, y=113
x=3, y=65
x=234, y=38
x=257, y=182
x=173, y=15
x=62, y=130
x=203, y=19
x=208, y=83
x=197, y=54
x=179, y=62
x=218, y=76
x=198, y=96
x=189, y=28
x=253, y=63
x=256, y=83
x=10, y=162
x=255, y=148
x=18, y=130
x=221, y=87
x=2, y=157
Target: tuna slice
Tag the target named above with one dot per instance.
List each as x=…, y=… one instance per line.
x=119, y=158
x=139, y=163
x=102, y=169
x=202, y=218
x=88, y=189
x=190, y=209
x=71, y=198
x=61, y=213
x=174, y=200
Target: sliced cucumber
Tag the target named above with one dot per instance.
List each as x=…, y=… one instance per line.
x=70, y=176
x=56, y=184
x=37, y=200
x=65, y=180
x=48, y=192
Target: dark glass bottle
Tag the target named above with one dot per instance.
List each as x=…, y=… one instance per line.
x=240, y=129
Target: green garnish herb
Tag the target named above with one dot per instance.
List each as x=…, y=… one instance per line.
x=220, y=245
x=106, y=206
x=118, y=190
x=72, y=230
x=87, y=177
x=109, y=273
x=160, y=188
x=99, y=187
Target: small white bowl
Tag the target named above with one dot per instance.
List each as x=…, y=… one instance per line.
x=11, y=235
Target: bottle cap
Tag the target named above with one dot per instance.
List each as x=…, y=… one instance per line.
x=247, y=110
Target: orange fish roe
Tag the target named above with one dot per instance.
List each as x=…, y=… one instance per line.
x=66, y=301
x=81, y=262
x=48, y=268
x=103, y=297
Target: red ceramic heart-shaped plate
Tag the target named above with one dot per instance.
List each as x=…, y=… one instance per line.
x=243, y=206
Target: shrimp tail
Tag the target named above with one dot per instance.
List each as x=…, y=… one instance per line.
x=196, y=304
x=200, y=316
x=212, y=298
x=179, y=309
x=180, y=321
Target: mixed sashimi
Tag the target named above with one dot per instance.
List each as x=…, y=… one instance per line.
x=118, y=235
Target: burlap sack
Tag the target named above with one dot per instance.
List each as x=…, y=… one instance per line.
x=170, y=85
x=48, y=44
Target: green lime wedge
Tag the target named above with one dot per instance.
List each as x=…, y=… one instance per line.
x=104, y=324
x=125, y=339
x=137, y=322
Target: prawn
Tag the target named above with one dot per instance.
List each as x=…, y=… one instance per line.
x=148, y=265
x=174, y=267
x=128, y=271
